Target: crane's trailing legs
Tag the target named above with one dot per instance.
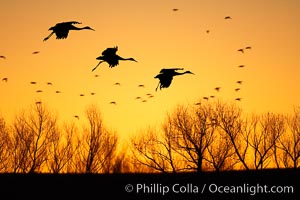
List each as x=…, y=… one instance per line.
x=101, y=61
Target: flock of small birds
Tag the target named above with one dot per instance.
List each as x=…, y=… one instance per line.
x=110, y=56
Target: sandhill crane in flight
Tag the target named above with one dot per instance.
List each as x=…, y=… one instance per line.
x=239, y=82
x=241, y=50
x=248, y=47
x=241, y=66
x=238, y=99
x=227, y=17
x=217, y=89
x=5, y=79
x=62, y=29
x=109, y=55
x=3, y=57
x=33, y=82
x=38, y=91
x=237, y=89
x=117, y=83
x=113, y=102
x=166, y=76
x=35, y=52
x=141, y=85
x=150, y=95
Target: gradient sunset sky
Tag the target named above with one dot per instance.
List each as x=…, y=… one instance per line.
x=157, y=37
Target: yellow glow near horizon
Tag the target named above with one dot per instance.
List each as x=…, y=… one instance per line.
x=157, y=37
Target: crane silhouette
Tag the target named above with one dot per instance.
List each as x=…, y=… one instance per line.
x=62, y=29
x=165, y=76
x=109, y=55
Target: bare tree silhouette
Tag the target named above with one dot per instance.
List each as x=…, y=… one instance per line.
x=31, y=139
x=98, y=145
x=289, y=143
x=230, y=121
x=5, y=144
x=266, y=131
x=62, y=150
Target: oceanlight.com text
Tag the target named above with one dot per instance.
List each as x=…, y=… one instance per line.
x=190, y=188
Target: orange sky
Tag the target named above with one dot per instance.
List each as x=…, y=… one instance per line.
x=157, y=37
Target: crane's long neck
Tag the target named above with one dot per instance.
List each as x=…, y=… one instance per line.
x=120, y=58
x=181, y=73
x=78, y=28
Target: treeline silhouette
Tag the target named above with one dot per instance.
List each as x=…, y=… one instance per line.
x=207, y=136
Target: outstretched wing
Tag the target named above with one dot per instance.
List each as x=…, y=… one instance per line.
x=164, y=70
x=62, y=29
x=110, y=51
x=69, y=22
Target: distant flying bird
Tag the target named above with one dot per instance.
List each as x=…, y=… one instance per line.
x=3, y=57
x=239, y=82
x=241, y=50
x=227, y=17
x=237, y=89
x=141, y=85
x=117, y=83
x=206, y=98
x=57, y=91
x=96, y=75
x=49, y=83
x=38, y=102
x=238, y=99
x=175, y=9
x=5, y=79
x=166, y=76
x=241, y=66
x=81, y=95
x=113, y=102
x=35, y=52
x=76, y=116
x=217, y=89
x=32, y=82
x=38, y=91
x=248, y=47
x=212, y=96
x=93, y=93
x=207, y=31
x=62, y=29
x=197, y=103
x=138, y=97
x=109, y=55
